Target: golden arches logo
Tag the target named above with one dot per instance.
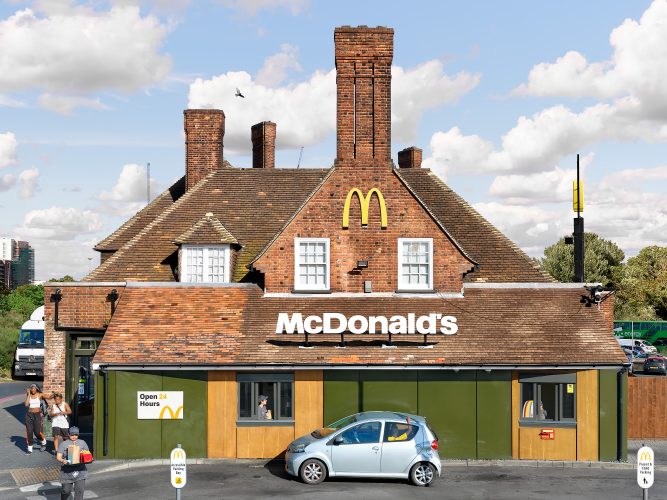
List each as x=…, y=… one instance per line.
x=172, y=415
x=177, y=454
x=364, y=203
x=646, y=456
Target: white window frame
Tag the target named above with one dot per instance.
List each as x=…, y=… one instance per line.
x=304, y=287
x=402, y=285
x=186, y=278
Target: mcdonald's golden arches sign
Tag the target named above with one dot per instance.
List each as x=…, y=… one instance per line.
x=365, y=203
x=159, y=405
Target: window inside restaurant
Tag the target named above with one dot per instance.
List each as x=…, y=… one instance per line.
x=548, y=398
x=265, y=397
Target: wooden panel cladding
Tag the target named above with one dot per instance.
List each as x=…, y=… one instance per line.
x=533, y=447
x=308, y=401
x=516, y=403
x=647, y=412
x=263, y=442
x=587, y=415
x=222, y=403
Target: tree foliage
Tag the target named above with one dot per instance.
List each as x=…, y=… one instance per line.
x=642, y=292
x=65, y=279
x=15, y=308
x=602, y=261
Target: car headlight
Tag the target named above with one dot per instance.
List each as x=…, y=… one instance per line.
x=298, y=448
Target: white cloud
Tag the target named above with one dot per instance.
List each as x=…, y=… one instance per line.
x=7, y=149
x=74, y=50
x=7, y=182
x=64, y=104
x=130, y=186
x=252, y=7
x=305, y=112
x=56, y=258
x=10, y=102
x=275, y=68
x=29, y=181
x=58, y=224
x=638, y=67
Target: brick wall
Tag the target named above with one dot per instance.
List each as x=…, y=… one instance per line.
x=84, y=306
x=322, y=217
x=410, y=158
x=263, y=136
x=204, y=131
x=363, y=80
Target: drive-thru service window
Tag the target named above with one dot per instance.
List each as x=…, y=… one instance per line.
x=278, y=389
x=548, y=397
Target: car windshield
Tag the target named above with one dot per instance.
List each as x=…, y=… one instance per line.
x=33, y=338
x=333, y=427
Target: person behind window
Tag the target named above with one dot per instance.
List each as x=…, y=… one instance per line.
x=399, y=432
x=263, y=413
x=542, y=413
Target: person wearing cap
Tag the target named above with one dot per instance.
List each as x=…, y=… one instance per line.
x=263, y=413
x=72, y=476
x=33, y=417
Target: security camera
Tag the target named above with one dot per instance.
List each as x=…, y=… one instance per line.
x=598, y=296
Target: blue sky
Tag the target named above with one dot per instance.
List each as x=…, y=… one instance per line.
x=500, y=95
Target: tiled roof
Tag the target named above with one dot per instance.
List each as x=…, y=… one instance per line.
x=500, y=260
x=208, y=230
x=235, y=325
x=253, y=204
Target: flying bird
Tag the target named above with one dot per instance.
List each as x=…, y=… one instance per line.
x=238, y=93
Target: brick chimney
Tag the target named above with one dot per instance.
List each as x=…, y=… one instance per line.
x=263, y=136
x=410, y=158
x=363, y=80
x=204, y=131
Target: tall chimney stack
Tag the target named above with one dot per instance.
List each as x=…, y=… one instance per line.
x=263, y=136
x=204, y=132
x=363, y=80
x=410, y=157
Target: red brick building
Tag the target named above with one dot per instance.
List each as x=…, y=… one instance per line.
x=360, y=286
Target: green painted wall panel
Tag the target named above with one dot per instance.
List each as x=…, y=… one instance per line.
x=494, y=415
x=608, y=415
x=98, y=421
x=624, y=416
x=136, y=438
x=388, y=390
x=341, y=394
x=448, y=401
x=190, y=432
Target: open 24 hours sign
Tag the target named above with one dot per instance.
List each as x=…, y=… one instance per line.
x=159, y=405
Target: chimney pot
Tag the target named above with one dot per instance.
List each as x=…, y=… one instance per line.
x=410, y=158
x=263, y=136
x=204, y=132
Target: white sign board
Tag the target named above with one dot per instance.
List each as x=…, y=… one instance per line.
x=158, y=405
x=178, y=468
x=645, y=467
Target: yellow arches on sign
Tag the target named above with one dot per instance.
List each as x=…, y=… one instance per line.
x=172, y=415
x=364, y=203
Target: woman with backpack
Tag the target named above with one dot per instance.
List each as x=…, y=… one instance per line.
x=33, y=418
x=59, y=420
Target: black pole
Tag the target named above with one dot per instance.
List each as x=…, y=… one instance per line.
x=578, y=235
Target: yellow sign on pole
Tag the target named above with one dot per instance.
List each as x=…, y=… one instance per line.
x=578, y=196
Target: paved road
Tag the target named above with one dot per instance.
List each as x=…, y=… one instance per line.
x=12, y=388
x=243, y=481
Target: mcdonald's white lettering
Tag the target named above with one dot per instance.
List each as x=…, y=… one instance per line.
x=337, y=323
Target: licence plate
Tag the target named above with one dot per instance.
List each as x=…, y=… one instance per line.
x=31, y=373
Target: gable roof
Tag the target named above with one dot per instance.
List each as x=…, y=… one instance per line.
x=207, y=231
x=252, y=203
x=234, y=324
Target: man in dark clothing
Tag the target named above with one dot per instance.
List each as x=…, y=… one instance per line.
x=72, y=476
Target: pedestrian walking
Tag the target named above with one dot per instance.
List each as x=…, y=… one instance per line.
x=33, y=417
x=60, y=421
x=72, y=473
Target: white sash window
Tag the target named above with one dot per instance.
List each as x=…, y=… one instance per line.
x=205, y=263
x=311, y=263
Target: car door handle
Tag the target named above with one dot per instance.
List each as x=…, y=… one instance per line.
x=375, y=448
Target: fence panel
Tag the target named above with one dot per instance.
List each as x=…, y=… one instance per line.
x=647, y=407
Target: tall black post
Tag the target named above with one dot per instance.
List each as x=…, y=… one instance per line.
x=578, y=235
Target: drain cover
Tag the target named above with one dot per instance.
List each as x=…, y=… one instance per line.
x=24, y=477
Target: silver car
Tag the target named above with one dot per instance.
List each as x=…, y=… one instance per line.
x=368, y=444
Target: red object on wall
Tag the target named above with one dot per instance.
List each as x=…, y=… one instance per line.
x=548, y=434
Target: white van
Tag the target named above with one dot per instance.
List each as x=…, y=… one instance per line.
x=636, y=343
x=29, y=354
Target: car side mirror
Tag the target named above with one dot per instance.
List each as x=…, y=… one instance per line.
x=338, y=440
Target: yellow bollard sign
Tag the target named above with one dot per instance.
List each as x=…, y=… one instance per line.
x=178, y=468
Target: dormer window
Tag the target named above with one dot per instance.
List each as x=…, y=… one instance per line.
x=205, y=263
x=311, y=264
x=206, y=252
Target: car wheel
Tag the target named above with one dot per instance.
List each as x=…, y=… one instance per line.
x=422, y=474
x=312, y=471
